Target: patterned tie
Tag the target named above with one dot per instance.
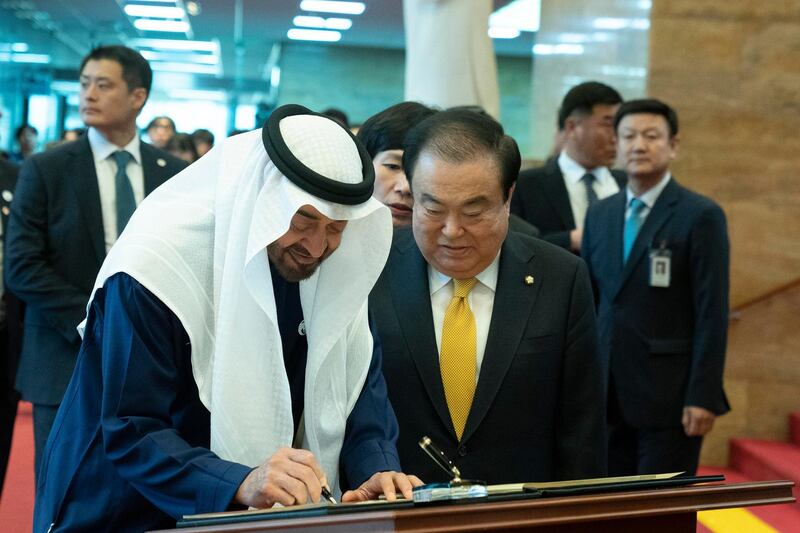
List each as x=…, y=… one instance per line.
x=126, y=202
x=632, y=226
x=458, y=358
x=591, y=196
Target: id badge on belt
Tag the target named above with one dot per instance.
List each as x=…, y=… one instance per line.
x=660, y=265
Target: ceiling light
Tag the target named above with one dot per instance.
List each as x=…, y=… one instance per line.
x=159, y=12
x=503, y=33
x=178, y=26
x=298, y=34
x=322, y=23
x=330, y=6
x=309, y=22
x=14, y=47
x=6, y=57
x=614, y=23
x=175, y=44
x=338, y=24
x=557, y=49
x=206, y=59
x=193, y=8
x=190, y=68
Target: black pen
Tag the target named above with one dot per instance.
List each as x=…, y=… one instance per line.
x=326, y=493
x=440, y=458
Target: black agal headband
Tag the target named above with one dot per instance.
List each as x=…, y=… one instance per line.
x=304, y=177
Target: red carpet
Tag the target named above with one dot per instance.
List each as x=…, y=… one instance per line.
x=16, y=505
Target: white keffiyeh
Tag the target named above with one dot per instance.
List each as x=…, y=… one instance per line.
x=198, y=243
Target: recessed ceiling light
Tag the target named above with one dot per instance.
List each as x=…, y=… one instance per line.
x=159, y=12
x=175, y=44
x=331, y=6
x=178, y=26
x=299, y=34
x=542, y=49
x=322, y=23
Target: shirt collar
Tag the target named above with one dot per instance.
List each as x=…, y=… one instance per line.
x=649, y=198
x=573, y=171
x=102, y=148
x=488, y=277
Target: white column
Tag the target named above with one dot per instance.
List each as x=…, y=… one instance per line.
x=450, y=59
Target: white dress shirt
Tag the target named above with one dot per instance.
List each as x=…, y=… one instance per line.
x=604, y=185
x=106, y=167
x=648, y=199
x=480, y=299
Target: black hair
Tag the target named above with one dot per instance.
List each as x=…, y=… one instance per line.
x=650, y=106
x=182, y=142
x=583, y=97
x=22, y=128
x=387, y=130
x=135, y=69
x=338, y=115
x=458, y=135
x=152, y=123
x=203, y=136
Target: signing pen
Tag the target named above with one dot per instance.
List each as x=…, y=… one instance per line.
x=326, y=493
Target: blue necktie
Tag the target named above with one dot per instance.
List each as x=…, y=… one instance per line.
x=126, y=202
x=632, y=226
x=588, y=181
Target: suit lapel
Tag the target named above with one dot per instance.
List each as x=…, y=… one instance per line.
x=661, y=212
x=614, y=225
x=81, y=173
x=556, y=193
x=513, y=302
x=412, y=301
x=151, y=169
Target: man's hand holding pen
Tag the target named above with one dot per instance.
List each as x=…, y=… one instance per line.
x=294, y=476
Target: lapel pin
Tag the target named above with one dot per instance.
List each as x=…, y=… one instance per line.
x=161, y=162
x=301, y=328
x=529, y=280
x=8, y=195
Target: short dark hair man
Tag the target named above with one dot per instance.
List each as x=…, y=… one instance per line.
x=203, y=141
x=71, y=204
x=554, y=198
x=658, y=254
x=506, y=379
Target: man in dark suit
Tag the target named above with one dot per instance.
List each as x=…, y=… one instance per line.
x=488, y=335
x=9, y=328
x=658, y=255
x=71, y=204
x=554, y=198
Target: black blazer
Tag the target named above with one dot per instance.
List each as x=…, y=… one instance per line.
x=539, y=407
x=665, y=346
x=53, y=252
x=541, y=198
x=9, y=352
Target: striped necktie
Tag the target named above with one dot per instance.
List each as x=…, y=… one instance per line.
x=458, y=361
x=588, y=180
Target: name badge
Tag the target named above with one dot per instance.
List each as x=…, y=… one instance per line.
x=660, y=266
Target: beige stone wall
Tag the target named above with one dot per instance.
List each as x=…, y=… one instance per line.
x=732, y=71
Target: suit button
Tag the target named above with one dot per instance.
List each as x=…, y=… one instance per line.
x=462, y=451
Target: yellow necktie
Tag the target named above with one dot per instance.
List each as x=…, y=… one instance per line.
x=457, y=361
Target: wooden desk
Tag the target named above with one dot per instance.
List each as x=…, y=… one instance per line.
x=653, y=511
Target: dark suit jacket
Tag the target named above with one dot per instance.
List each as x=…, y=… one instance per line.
x=665, y=346
x=53, y=251
x=9, y=351
x=541, y=198
x=539, y=406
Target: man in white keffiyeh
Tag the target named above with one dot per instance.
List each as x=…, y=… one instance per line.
x=227, y=358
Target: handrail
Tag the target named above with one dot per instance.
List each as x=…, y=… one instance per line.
x=766, y=296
